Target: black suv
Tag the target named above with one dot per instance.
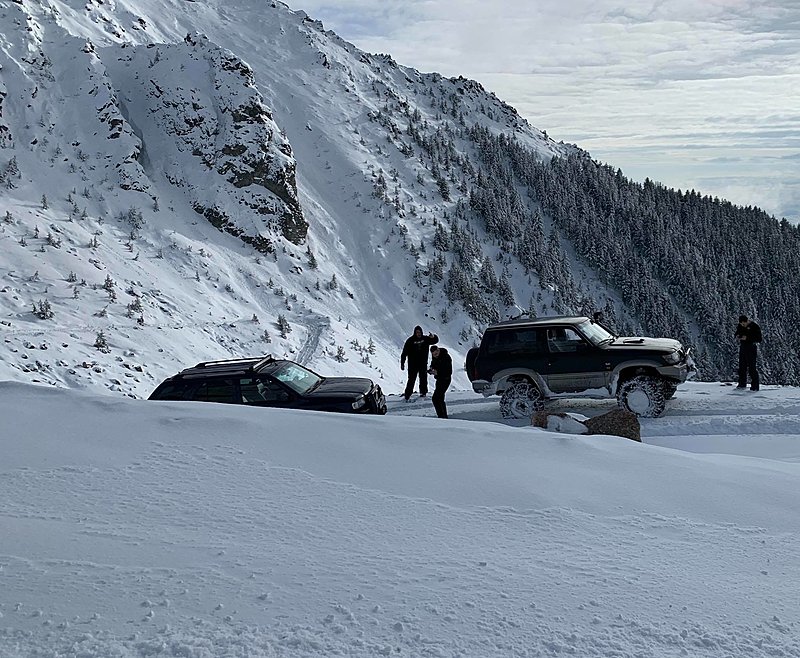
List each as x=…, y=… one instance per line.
x=269, y=382
x=532, y=360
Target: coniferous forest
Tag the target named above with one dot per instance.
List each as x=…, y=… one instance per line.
x=685, y=265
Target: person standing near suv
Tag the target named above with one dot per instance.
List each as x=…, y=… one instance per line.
x=416, y=351
x=748, y=333
x=442, y=369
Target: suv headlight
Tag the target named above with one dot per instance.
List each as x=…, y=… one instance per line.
x=672, y=358
x=360, y=403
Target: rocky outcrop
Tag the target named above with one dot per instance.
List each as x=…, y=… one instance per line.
x=205, y=127
x=221, y=221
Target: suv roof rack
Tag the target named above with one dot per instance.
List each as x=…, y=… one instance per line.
x=243, y=365
x=225, y=362
x=262, y=362
x=539, y=321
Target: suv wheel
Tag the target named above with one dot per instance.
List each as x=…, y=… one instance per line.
x=643, y=396
x=520, y=400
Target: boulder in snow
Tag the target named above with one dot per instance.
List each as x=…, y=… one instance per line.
x=617, y=422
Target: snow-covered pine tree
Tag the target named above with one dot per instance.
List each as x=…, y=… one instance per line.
x=101, y=342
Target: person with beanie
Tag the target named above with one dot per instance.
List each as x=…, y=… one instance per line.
x=415, y=350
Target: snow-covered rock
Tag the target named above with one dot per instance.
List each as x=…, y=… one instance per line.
x=563, y=422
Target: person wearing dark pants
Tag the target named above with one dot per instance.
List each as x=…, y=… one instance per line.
x=748, y=333
x=415, y=350
x=442, y=369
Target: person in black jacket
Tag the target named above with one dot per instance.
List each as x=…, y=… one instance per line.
x=748, y=333
x=416, y=351
x=442, y=369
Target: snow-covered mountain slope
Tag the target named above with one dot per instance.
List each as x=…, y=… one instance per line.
x=192, y=180
x=143, y=529
x=131, y=138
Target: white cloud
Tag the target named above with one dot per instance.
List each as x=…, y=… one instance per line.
x=622, y=80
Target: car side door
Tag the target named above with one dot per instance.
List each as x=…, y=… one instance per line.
x=574, y=364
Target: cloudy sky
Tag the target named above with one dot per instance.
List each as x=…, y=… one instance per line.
x=701, y=94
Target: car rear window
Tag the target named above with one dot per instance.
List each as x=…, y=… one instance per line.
x=171, y=391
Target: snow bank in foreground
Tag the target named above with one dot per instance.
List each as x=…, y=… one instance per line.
x=132, y=528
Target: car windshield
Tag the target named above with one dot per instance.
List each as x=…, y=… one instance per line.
x=299, y=379
x=595, y=333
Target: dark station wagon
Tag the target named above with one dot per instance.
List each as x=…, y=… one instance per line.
x=268, y=382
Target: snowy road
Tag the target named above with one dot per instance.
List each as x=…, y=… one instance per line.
x=316, y=325
x=703, y=417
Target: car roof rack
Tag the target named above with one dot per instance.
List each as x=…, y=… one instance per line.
x=262, y=362
x=539, y=322
x=225, y=362
x=243, y=365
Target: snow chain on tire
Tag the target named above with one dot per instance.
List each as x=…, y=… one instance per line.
x=643, y=396
x=520, y=400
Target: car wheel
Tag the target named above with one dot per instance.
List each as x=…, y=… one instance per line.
x=520, y=400
x=643, y=396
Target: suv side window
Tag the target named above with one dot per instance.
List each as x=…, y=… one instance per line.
x=262, y=391
x=177, y=390
x=527, y=340
x=564, y=339
x=250, y=392
x=214, y=390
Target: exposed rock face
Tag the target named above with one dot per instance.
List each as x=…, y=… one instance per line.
x=617, y=422
x=205, y=127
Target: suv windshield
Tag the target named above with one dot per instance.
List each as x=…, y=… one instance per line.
x=595, y=333
x=299, y=379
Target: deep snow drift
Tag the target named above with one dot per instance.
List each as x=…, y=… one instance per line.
x=134, y=528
